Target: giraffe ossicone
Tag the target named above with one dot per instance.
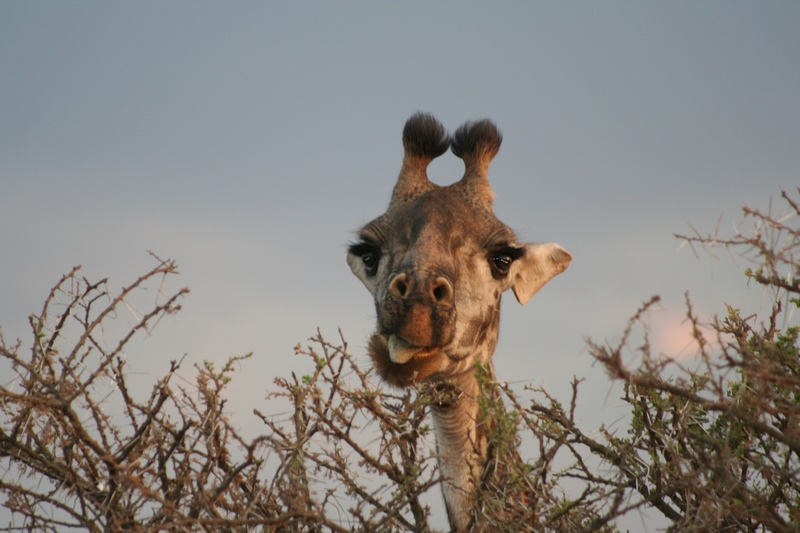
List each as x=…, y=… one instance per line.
x=437, y=262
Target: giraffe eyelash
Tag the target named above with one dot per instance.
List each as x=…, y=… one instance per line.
x=500, y=260
x=370, y=255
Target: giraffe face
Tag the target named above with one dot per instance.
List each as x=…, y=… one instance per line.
x=437, y=263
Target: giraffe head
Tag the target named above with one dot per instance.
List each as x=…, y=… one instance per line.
x=438, y=261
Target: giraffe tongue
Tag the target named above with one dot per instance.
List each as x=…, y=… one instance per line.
x=401, y=351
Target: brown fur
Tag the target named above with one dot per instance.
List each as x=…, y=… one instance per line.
x=437, y=263
x=415, y=371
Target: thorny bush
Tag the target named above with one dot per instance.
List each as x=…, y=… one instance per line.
x=710, y=448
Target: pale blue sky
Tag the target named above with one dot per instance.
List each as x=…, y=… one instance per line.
x=248, y=140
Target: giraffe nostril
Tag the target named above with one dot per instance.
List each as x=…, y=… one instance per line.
x=442, y=291
x=400, y=286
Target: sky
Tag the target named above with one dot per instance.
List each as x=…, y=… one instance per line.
x=249, y=140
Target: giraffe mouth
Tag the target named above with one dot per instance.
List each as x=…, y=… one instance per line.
x=401, y=351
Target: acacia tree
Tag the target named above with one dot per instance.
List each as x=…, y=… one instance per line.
x=172, y=460
x=719, y=448
x=711, y=448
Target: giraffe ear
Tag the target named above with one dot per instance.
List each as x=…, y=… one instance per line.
x=539, y=265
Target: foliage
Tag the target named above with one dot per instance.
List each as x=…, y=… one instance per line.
x=717, y=448
x=710, y=448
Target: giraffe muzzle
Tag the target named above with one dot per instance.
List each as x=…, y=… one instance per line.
x=417, y=314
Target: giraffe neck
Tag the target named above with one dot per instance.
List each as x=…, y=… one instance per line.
x=462, y=445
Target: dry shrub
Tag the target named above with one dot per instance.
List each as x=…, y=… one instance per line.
x=711, y=448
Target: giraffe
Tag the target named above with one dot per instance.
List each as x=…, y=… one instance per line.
x=436, y=263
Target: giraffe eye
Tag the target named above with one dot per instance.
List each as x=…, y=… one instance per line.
x=369, y=254
x=370, y=260
x=500, y=260
x=501, y=264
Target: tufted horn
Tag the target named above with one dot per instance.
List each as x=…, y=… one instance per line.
x=424, y=138
x=477, y=143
